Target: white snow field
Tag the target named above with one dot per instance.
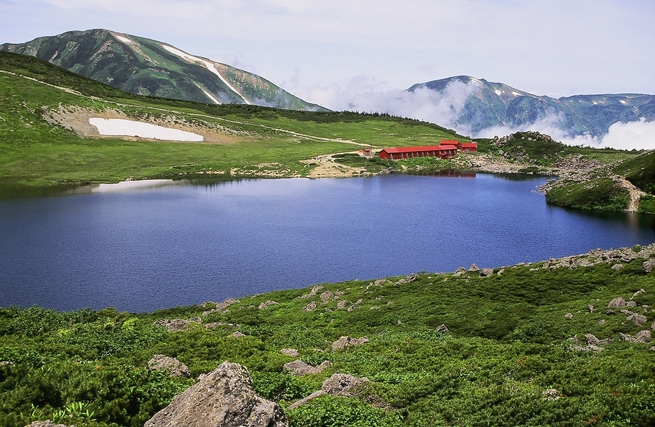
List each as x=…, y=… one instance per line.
x=121, y=127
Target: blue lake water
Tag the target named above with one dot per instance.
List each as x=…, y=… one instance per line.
x=143, y=249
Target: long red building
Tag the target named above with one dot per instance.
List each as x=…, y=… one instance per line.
x=447, y=149
x=441, y=151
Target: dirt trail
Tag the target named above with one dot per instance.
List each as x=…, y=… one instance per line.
x=635, y=193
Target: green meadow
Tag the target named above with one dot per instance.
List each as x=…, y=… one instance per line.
x=515, y=352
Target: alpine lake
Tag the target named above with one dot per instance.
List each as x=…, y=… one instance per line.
x=145, y=245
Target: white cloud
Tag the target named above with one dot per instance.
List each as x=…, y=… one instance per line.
x=365, y=94
x=639, y=135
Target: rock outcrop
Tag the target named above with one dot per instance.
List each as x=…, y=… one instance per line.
x=642, y=337
x=160, y=362
x=176, y=325
x=225, y=398
x=337, y=385
x=346, y=341
x=299, y=368
x=290, y=352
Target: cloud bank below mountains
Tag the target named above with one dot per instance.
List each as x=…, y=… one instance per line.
x=365, y=94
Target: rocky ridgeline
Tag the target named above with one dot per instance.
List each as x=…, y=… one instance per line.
x=527, y=136
x=617, y=258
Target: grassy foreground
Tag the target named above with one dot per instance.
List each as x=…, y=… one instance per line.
x=515, y=352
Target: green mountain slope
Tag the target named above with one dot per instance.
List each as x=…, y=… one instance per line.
x=46, y=139
x=148, y=67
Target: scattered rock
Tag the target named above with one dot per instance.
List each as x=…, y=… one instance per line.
x=346, y=341
x=237, y=334
x=408, y=279
x=266, y=303
x=304, y=400
x=442, y=328
x=486, y=272
x=641, y=337
x=649, y=265
x=591, y=339
x=651, y=326
x=631, y=303
x=160, y=362
x=617, y=302
x=224, y=397
x=639, y=292
x=617, y=266
x=337, y=385
x=313, y=292
x=326, y=297
x=569, y=315
x=46, y=423
x=474, y=268
x=637, y=319
x=310, y=307
x=355, y=305
x=299, y=368
x=7, y=363
x=342, y=304
x=601, y=322
x=290, y=352
x=586, y=348
x=176, y=325
x=590, y=307
x=551, y=394
x=343, y=384
x=220, y=307
x=214, y=325
x=459, y=272
x=380, y=282
x=610, y=312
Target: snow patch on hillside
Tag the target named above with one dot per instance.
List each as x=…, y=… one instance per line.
x=209, y=95
x=123, y=39
x=207, y=64
x=121, y=127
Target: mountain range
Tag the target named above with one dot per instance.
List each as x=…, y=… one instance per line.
x=149, y=67
x=488, y=104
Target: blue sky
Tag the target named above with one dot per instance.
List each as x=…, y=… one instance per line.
x=331, y=51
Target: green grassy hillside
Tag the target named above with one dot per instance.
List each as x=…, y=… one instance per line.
x=35, y=152
x=515, y=352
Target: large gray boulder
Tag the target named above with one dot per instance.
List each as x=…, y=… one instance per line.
x=222, y=398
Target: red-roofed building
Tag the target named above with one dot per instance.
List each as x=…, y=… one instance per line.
x=469, y=146
x=450, y=142
x=441, y=151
